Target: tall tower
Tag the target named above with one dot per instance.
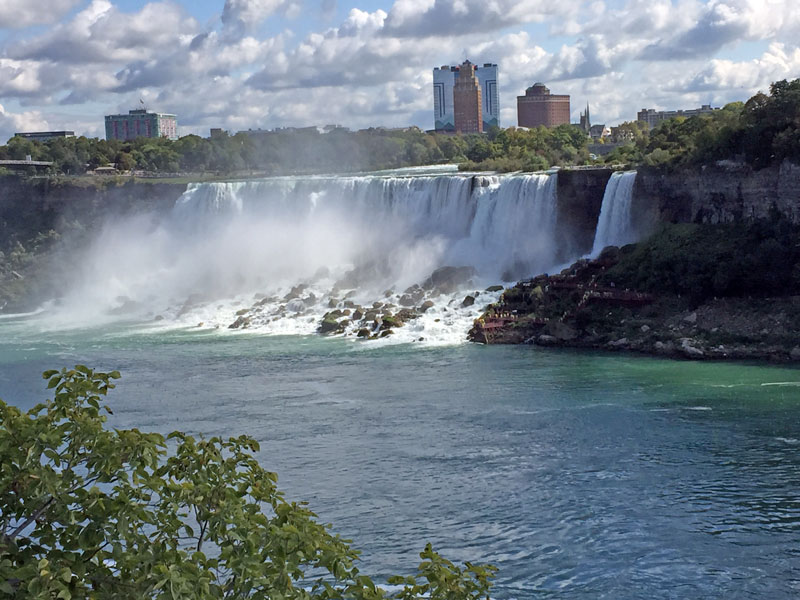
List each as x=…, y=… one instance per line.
x=467, y=100
x=586, y=123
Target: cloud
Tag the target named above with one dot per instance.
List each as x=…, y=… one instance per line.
x=746, y=77
x=11, y=123
x=101, y=33
x=721, y=23
x=425, y=18
x=18, y=14
x=243, y=16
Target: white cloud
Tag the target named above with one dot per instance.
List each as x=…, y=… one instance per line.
x=241, y=16
x=18, y=14
x=11, y=123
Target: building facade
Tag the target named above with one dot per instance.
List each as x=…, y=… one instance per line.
x=538, y=107
x=141, y=123
x=467, y=104
x=43, y=136
x=653, y=117
x=444, y=81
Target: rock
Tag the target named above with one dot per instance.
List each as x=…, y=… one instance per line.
x=371, y=315
x=295, y=292
x=795, y=353
x=645, y=328
x=425, y=306
x=388, y=293
x=495, y=288
x=406, y=300
x=620, y=343
x=406, y=314
x=310, y=300
x=363, y=332
x=377, y=305
x=349, y=304
x=159, y=318
x=446, y=280
x=329, y=325
x=386, y=332
x=334, y=314
x=333, y=302
x=691, y=318
x=688, y=349
x=546, y=340
x=357, y=315
x=664, y=348
x=241, y=322
x=389, y=322
x=468, y=301
x=295, y=305
x=200, y=324
x=242, y=311
x=560, y=331
x=346, y=312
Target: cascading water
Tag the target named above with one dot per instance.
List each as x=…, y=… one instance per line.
x=299, y=247
x=614, y=226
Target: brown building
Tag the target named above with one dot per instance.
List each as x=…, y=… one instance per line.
x=539, y=107
x=467, y=101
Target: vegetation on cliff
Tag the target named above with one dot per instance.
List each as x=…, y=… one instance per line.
x=87, y=511
x=764, y=130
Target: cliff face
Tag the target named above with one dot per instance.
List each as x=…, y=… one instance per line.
x=32, y=206
x=717, y=194
x=42, y=219
x=580, y=196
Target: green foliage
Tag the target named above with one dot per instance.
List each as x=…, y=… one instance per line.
x=763, y=131
x=90, y=512
x=759, y=258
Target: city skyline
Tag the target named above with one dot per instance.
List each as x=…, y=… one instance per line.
x=255, y=63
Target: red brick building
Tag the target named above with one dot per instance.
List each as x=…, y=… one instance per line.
x=539, y=107
x=467, y=104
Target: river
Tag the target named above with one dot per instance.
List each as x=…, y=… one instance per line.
x=580, y=475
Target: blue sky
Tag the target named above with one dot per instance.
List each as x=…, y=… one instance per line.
x=241, y=64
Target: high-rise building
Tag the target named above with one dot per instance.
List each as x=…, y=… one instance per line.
x=444, y=80
x=539, y=107
x=141, y=123
x=467, y=101
x=653, y=117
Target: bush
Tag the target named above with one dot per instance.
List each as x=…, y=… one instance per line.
x=90, y=512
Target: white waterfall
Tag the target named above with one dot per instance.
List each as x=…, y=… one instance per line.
x=226, y=246
x=614, y=225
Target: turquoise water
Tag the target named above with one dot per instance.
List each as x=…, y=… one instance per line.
x=580, y=475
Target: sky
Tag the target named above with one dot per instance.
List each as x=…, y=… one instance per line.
x=241, y=64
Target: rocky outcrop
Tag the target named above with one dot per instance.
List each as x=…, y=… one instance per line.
x=718, y=193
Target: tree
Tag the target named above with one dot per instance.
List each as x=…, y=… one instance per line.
x=90, y=512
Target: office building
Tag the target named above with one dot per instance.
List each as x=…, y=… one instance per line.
x=444, y=81
x=141, y=123
x=538, y=107
x=653, y=117
x=43, y=136
x=467, y=113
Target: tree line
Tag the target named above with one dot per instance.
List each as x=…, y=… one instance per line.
x=759, y=132
x=764, y=130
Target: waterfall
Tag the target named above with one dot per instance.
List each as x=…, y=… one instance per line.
x=299, y=246
x=501, y=225
x=614, y=226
